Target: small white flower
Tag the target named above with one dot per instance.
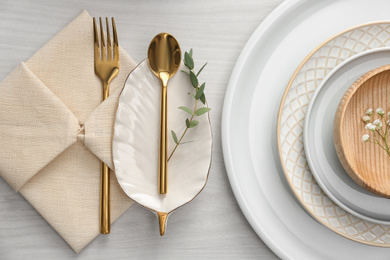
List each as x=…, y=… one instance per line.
x=388, y=114
x=369, y=112
x=380, y=111
x=377, y=122
x=366, y=119
x=388, y=122
x=365, y=138
x=372, y=128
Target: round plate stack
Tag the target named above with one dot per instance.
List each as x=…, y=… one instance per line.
x=318, y=138
x=285, y=62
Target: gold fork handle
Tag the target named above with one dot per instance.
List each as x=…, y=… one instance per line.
x=105, y=217
x=106, y=90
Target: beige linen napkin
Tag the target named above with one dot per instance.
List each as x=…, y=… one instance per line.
x=55, y=130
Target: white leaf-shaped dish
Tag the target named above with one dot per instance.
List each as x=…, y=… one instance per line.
x=136, y=141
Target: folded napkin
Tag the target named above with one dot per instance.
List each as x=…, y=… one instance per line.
x=55, y=130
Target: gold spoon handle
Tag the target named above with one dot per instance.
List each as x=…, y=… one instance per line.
x=162, y=180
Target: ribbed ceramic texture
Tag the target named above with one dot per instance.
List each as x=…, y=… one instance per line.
x=136, y=141
x=291, y=121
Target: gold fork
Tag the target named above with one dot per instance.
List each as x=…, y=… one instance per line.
x=106, y=68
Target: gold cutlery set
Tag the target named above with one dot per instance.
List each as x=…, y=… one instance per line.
x=74, y=112
x=164, y=59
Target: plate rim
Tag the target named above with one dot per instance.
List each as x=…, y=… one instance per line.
x=264, y=26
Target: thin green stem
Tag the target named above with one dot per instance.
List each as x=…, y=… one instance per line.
x=385, y=140
x=185, y=131
x=383, y=132
x=379, y=134
x=381, y=145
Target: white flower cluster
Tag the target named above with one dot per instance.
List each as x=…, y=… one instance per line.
x=371, y=127
x=380, y=111
x=375, y=126
x=365, y=138
x=366, y=119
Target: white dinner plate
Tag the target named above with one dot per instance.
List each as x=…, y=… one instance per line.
x=249, y=119
x=318, y=139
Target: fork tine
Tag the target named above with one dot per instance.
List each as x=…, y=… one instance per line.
x=102, y=44
x=109, y=50
x=116, y=48
x=96, y=41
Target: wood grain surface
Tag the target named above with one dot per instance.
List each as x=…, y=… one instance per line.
x=367, y=163
x=212, y=226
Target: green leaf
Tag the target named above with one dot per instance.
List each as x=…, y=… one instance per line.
x=203, y=99
x=199, y=93
x=193, y=123
x=174, y=136
x=194, y=79
x=188, y=61
x=186, y=72
x=186, y=109
x=197, y=74
x=191, y=52
x=202, y=110
x=188, y=123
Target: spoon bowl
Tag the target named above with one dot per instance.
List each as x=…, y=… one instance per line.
x=164, y=55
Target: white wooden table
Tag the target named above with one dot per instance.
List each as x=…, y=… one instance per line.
x=212, y=226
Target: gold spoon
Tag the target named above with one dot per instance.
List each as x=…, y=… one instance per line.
x=164, y=57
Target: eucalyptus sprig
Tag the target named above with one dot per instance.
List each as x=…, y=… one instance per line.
x=199, y=95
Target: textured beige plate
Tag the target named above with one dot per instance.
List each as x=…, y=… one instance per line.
x=136, y=141
x=366, y=163
x=299, y=91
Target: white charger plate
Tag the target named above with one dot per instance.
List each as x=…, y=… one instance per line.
x=255, y=89
x=318, y=139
